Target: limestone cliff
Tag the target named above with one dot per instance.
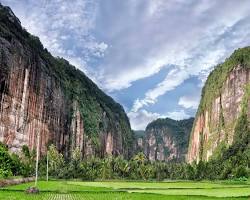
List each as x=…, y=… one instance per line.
x=166, y=139
x=46, y=96
x=139, y=141
x=220, y=107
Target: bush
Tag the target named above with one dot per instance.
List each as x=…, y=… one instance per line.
x=5, y=173
x=241, y=172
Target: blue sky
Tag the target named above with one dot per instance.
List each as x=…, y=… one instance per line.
x=152, y=56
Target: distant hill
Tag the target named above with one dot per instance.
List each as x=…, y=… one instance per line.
x=166, y=139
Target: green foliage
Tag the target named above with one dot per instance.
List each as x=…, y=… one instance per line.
x=13, y=165
x=137, y=168
x=56, y=161
x=26, y=151
x=5, y=162
x=231, y=163
x=28, y=161
x=106, y=168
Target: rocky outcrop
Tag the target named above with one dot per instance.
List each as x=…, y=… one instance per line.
x=220, y=106
x=166, y=139
x=45, y=96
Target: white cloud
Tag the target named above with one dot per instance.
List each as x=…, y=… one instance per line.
x=63, y=27
x=209, y=52
x=139, y=120
x=178, y=115
x=145, y=40
x=124, y=77
x=142, y=39
x=189, y=101
x=174, y=78
x=135, y=39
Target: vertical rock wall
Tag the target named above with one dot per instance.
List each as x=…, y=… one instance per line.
x=216, y=124
x=32, y=103
x=167, y=139
x=40, y=94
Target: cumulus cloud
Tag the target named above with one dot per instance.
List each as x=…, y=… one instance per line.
x=139, y=120
x=152, y=35
x=189, y=101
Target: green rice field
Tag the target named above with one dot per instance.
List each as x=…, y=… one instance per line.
x=118, y=190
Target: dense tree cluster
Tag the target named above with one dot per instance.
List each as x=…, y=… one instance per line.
x=226, y=166
x=16, y=165
x=140, y=168
x=227, y=163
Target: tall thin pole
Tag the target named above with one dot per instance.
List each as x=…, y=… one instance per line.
x=47, y=166
x=37, y=156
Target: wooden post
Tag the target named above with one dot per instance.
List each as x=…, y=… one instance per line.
x=47, y=165
x=37, y=156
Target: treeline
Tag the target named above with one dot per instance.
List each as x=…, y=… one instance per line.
x=226, y=163
x=137, y=168
x=140, y=168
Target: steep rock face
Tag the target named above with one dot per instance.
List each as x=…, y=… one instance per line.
x=167, y=139
x=46, y=96
x=139, y=141
x=220, y=106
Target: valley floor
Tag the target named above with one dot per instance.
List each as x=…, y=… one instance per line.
x=110, y=190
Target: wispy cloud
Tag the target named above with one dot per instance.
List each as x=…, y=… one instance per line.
x=152, y=35
x=174, y=78
x=64, y=27
x=209, y=52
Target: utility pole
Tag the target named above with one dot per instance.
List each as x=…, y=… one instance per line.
x=38, y=136
x=37, y=156
x=47, y=165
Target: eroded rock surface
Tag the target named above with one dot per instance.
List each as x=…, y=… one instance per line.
x=215, y=124
x=46, y=96
x=166, y=139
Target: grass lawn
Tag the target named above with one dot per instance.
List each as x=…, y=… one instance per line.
x=118, y=190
